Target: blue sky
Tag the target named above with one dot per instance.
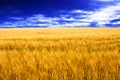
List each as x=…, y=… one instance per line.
x=59, y=13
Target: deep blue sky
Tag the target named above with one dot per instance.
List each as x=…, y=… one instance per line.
x=62, y=13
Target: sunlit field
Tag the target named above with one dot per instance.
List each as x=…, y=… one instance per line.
x=60, y=54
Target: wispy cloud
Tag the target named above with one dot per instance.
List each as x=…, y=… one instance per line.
x=102, y=17
x=105, y=15
x=17, y=18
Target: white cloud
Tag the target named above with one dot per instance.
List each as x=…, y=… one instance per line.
x=77, y=11
x=81, y=11
x=67, y=19
x=105, y=15
x=99, y=17
x=75, y=24
x=116, y=22
x=41, y=18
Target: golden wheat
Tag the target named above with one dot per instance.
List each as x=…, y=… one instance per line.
x=60, y=54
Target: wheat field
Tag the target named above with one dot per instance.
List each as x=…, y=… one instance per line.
x=60, y=54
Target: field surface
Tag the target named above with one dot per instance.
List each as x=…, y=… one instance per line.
x=60, y=54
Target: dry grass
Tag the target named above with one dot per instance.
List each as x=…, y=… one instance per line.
x=60, y=54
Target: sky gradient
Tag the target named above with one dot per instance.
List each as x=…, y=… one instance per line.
x=59, y=13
